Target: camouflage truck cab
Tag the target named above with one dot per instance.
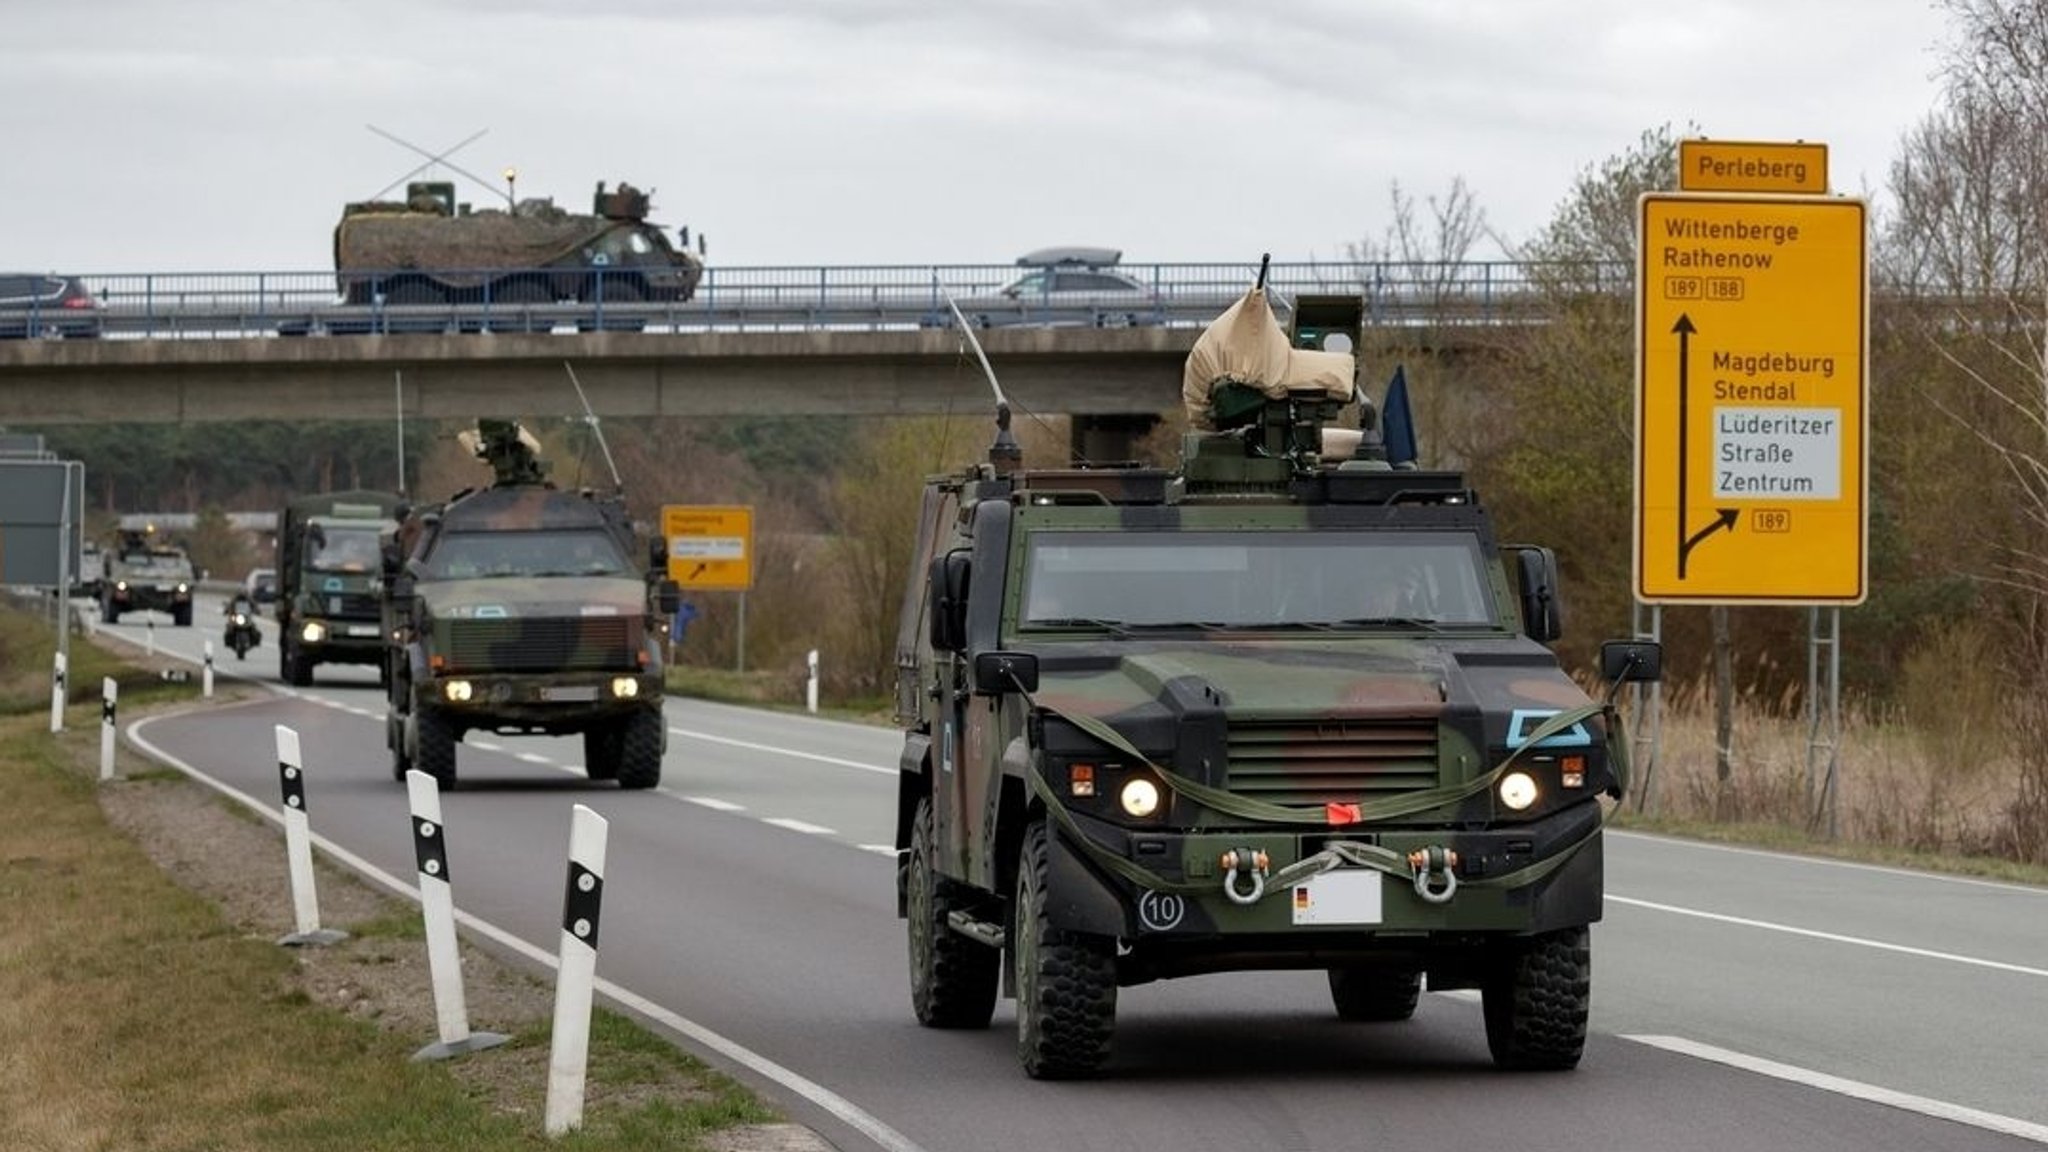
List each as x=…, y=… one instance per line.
x=329, y=602
x=521, y=608
x=1271, y=710
x=147, y=573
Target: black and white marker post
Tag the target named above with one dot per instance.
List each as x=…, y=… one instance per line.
x=576, y=973
x=437, y=909
x=811, y=684
x=57, y=693
x=206, y=677
x=298, y=844
x=107, y=691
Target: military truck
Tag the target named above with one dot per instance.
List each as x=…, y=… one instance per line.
x=430, y=249
x=1276, y=708
x=520, y=608
x=329, y=603
x=146, y=572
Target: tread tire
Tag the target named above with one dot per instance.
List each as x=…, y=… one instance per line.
x=437, y=743
x=953, y=980
x=642, y=740
x=604, y=745
x=1066, y=984
x=1375, y=995
x=1537, y=1000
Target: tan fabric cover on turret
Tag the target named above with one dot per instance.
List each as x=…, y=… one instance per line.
x=1246, y=345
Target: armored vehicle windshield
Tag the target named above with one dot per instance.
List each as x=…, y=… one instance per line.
x=552, y=552
x=344, y=549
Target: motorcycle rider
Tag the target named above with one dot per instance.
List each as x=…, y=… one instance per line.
x=242, y=633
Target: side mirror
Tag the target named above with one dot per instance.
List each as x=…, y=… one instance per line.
x=996, y=673
x=388, y=555
x=316, y=535
x=1536, y=583
x=1625, y=661
x=668, y=597
x=946, y=607
x=657, y=552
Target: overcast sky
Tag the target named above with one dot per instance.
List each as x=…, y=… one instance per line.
x=186, y=135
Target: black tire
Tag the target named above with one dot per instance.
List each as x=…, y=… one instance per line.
x=297, y=668
x=1537, y=1000
x=394, y=735
x=1066, y=984
x=643, y=740
x=181, y=616
x=1375, y=995
x=604, y=746
x=437, y=740
x=953, y=980
x=109, y=614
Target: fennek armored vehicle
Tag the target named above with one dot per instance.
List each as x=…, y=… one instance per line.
x=521, y=608
x=1283, y=707
x=328, y=563
x=432, y=249
x=146, y=572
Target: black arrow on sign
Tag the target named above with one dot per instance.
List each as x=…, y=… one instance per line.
x=1725, y=517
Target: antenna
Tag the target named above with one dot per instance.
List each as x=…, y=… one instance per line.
x=398, y=382
x=1004, y=452
x=590, y=417
x=441, y=157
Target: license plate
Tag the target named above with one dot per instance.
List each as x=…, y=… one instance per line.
x=1346, y=896
x=582, y=695
x=362, y=630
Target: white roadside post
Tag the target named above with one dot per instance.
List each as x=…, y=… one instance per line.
x=206, y=677
x=811, y=685
x=437, y=910
x=57, y=694
x=149, y=633
x=576, y=973
x=298, y=843
x=107, y=690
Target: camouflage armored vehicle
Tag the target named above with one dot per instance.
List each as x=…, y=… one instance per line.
x=429, y=249
x=147, y=573
x=522, y=608
x=1274, y=709
x=329, y=606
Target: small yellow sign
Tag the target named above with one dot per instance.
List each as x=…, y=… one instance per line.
x=1752, y=166
x=1751, y=340
x=710, y=546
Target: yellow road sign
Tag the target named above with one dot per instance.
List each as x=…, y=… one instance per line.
x=1752, y=166
x=1751, y=466
x=710, y=546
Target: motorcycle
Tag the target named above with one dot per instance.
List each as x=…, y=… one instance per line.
x=242, y=633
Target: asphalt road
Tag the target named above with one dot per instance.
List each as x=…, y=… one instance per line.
x=1741, y=999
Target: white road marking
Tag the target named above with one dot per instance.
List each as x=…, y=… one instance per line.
x=716, y=805
x=839, y=1106
x=798, y=826
x=1833, y=937
x=1939, y=1109
x=1830, y=862
x=770, y=748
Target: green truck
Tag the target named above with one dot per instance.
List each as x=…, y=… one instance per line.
x=1275, y=708
x=329, y=595
x=520, y=608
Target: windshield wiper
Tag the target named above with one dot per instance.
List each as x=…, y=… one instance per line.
x=1114, y=626
x=1395, y=622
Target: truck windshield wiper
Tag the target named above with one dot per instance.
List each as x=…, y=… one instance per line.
x=1395, y=622
x=1115, y=626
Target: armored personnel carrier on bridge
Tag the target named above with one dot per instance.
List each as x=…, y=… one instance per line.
x=429, y=249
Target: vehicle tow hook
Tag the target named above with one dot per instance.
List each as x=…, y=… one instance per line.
x=1246, y=860
x=1431, y=862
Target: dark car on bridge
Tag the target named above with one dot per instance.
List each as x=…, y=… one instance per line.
x=47, y=305
x=1067, y=287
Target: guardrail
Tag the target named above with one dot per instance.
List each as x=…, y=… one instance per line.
x=217, y=305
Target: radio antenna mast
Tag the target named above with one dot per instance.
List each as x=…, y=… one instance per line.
x=398, y=382
x=590, y=418
x=440, y=157
x=1004, y=452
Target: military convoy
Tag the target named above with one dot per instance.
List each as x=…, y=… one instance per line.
x=329, y=608
x=523, y=608
x=1284, y=707
x=428, y=249
x=147, y=573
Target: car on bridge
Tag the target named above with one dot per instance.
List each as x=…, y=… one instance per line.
x=47, y=305
x=1067, y=287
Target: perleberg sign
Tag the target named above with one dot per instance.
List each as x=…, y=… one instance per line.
x=1752, y=166
x=1751, y=340
x=710, y=546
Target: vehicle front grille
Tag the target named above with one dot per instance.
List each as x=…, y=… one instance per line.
x=351, y=605
x=543, y=644
x=1316, y=762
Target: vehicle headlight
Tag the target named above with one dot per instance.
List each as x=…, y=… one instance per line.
x=183, y=588
x=625, y=687
x=314, y=632
x=1140, y=797
x=458, y=691
x=120, y=585
x=240, y=620
x=1518, y=790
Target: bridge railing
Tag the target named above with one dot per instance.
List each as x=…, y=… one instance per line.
x=213, y=305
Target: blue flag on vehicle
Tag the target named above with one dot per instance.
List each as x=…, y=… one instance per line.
x=1396, y=423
